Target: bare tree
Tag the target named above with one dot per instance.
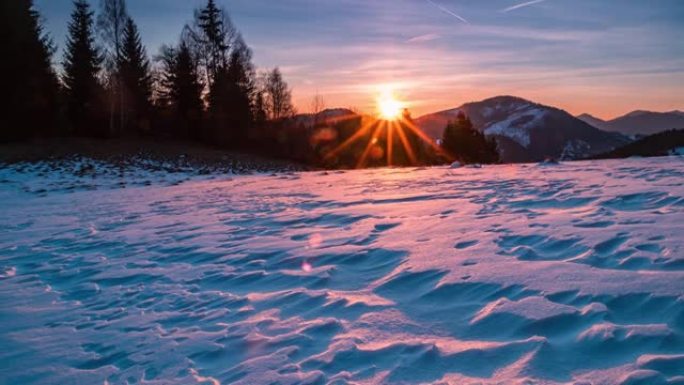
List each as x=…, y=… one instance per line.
x=111, y=23
x=279, y=96
x=317, y=106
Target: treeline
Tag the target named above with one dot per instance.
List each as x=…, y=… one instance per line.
x=660, y=144
x=462, y=142
x=204, y=88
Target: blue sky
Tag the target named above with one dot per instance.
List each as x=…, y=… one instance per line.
x=605, y=57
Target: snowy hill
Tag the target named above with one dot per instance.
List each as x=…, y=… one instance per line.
x=639, y=122
x=553, y=274
x=527, y=131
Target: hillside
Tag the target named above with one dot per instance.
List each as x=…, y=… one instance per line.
x=527, y=131
x=661, y=144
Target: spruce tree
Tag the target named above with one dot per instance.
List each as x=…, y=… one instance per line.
x=463, y=142
x=213, y=34
x=81, y=66
x=134, y=70
x=230, y=97
x=181, y=90
x=26, y=74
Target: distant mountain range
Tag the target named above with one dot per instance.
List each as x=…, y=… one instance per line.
x=526, y=131
x=638, y=122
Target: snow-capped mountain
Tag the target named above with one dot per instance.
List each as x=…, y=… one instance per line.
x=527, y=131
x=638, y=122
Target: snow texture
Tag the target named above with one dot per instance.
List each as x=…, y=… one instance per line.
x=567, y=273
x=518, y=124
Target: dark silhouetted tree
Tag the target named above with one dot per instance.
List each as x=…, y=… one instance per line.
x=466, y=144
x=111, y=23
x=260, y=113
x=30, y=85
x=213, y=34
x=278, y=96
x=230, y=97
x=81, y=66
x=181, y=90
x=136, y=79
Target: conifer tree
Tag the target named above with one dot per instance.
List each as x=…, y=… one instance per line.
x=181, y=90
x=82, y=62
x=463, y=142
x=26, y=74
x=241, y=87
x=213, y=35
x=134, y=70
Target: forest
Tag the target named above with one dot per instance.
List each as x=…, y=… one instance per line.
x=203, y=89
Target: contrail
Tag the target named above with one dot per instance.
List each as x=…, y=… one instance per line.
x=447, y=11
x=522, y=5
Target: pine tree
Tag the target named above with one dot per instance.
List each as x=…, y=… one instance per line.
x=181, y=90
x=463, y=142
x=26, y=74
x=81, y=66
x=134, y=69
x=230, y=97
x=213, y=34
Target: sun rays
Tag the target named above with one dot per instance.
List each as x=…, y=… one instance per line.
x=390, y=139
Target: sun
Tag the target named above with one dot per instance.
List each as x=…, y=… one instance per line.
x=389, y=107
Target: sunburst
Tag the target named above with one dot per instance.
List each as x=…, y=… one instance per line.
x=392, y=125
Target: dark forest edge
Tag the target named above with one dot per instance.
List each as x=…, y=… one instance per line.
x=661, y=144
x=203, y=90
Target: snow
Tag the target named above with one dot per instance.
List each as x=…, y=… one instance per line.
x=575, y=149
x=512, y=274
x=518, y=124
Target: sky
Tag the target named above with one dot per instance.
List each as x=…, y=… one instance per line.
x=603, y=57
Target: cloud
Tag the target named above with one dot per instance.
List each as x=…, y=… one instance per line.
x=448, y=12
x=522, y=5
x=424, y=38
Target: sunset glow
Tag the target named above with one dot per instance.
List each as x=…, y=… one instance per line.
x=389, y=107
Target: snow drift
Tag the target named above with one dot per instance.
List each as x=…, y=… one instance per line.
x=545, y=274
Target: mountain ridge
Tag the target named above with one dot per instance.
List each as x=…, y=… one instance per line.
x=526, y=130
x=638, y=122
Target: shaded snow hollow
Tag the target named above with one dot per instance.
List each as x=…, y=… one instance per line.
x=567, y=273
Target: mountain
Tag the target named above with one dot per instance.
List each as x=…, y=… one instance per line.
x=526, y=131
x=592, y=120
x=328, y=116
x=660, y=144
x=638, y=122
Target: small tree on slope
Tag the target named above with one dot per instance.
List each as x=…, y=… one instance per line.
x=463, y=142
